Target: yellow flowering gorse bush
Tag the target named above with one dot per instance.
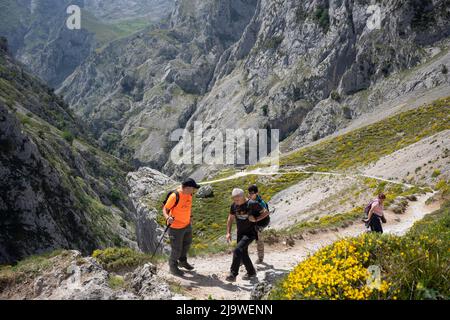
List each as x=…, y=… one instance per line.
x=335, y=272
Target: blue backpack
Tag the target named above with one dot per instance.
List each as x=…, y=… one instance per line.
x=262, y=203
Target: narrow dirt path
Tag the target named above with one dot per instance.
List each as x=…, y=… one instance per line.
x=273, y=171
x=208, y=280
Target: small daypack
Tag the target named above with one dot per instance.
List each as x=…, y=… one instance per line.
x=177, y=194
x=263, y=203
x=251, y=205
x=367, y=208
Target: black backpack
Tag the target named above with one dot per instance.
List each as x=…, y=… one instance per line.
x=367, y=209
x=177, y=194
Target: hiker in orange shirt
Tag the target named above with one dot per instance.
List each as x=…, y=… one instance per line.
x=177, y=211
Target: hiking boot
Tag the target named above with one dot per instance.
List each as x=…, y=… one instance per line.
x=185, y=265
x=231, y=278
x=249, y=276
x=176, y=272
x=259, y=261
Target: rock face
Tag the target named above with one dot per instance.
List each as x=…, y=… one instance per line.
x=138, y=90
x=261, y=290
x=400, y=204
x=74, y=277
x=205, y=192
x=147, y=186
x=38, y=37
x=304, y=67
x=57, y=190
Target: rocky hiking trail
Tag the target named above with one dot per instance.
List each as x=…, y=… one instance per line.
x=207, y=281
x=271, y=171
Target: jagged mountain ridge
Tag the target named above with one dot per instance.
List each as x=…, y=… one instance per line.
x=304, y=67
x=126, y=90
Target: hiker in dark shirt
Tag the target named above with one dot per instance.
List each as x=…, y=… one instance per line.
x=246, y=214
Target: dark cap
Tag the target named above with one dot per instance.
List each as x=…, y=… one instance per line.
x=190, y=183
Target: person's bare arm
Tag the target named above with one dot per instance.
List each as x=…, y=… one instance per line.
x=265, y=213
x=369, y=216
x=167, y=216
x=229, y=226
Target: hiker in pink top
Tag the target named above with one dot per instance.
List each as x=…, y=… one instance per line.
x=376, y=215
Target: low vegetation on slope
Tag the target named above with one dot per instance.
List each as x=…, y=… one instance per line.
x=106, y=33
x=414, y=266
x=119, y=259
x=368, y=144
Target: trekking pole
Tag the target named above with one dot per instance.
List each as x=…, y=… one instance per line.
x=160, y=241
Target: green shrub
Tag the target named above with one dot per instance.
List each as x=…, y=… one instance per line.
x=335, y=96
x=24, y=120
x=68, y=136
x=444, y=187
x=436, y=173
x=322, y=16
x=265, y=110
x=115, y=195
x=120, y=259
x=116, y=282
x=273, y=43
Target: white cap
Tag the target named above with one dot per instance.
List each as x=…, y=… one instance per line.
x=237, y=192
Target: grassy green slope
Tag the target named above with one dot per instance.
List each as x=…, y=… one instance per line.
x=370, y=143
x=106, y=33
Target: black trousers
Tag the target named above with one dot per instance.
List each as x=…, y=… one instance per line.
x=180, y=242
x=375, y=224
x=240, y=254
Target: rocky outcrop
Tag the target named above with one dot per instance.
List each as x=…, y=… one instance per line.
x=399, y=205
x=315, y=65
x=205, y=192
x=147, y=187
x=58, y=190
x=28, y=185
x=70, y=276
x=37, y=34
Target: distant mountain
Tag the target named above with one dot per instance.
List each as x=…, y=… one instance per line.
x=119, y=10
x=137, y=90
x=38, y=36
x=305, y=67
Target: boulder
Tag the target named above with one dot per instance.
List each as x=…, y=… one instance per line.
x=399, y=205
x=205, y=192
x=147, y=184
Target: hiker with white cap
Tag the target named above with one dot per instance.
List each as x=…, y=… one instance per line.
x=246, y=213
